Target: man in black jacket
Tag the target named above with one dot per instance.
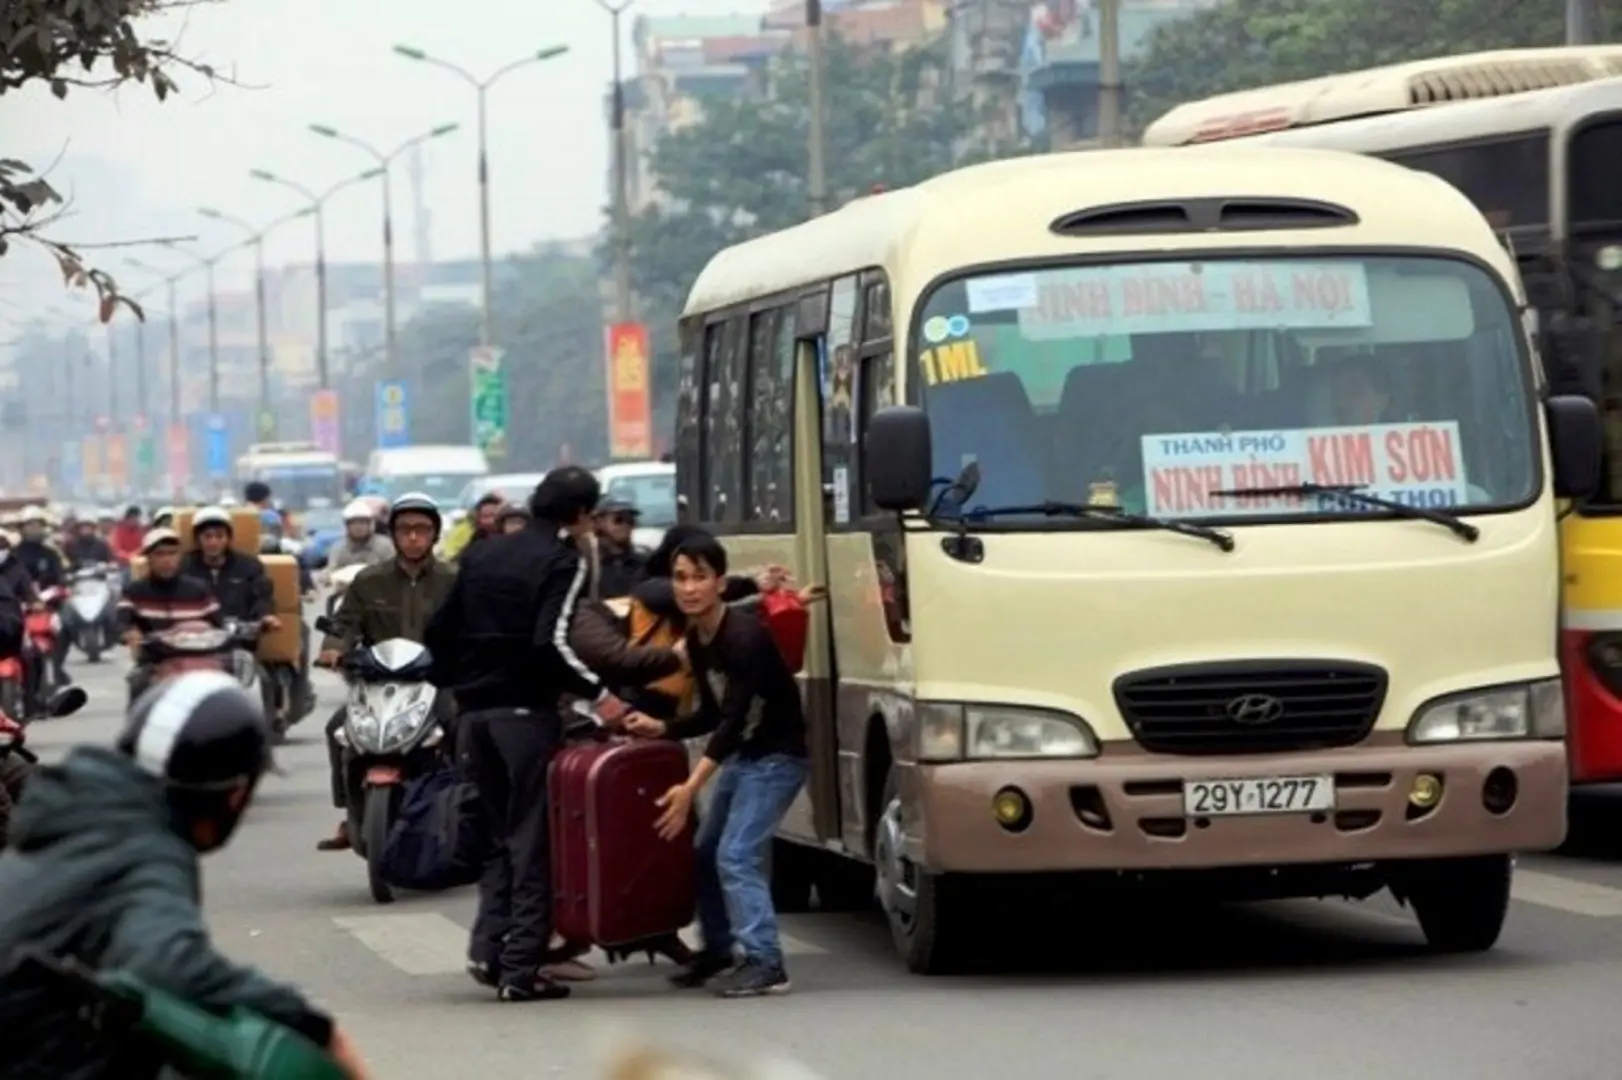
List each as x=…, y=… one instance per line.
x=238, y=582
x=501, y=643
x=620, y=566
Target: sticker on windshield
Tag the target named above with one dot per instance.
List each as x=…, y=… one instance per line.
x=1162, y=298
x=940, y=328
x=1416, y=463
x=951, y=362
x=1003, y=292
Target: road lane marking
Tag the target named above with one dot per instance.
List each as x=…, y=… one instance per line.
x=417, y=944
x=430, y=944
x=1567, y=894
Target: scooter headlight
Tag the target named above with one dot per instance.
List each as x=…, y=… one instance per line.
x=365, y=729
x=403, y=726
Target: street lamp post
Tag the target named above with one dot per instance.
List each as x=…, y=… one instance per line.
x=208, y=265
x=481, y=87
x=317, y=207
x=170, y=282
x=622, y=198
x=112, y=375
x=391, y=356
x=816, y=164
x=256, y=240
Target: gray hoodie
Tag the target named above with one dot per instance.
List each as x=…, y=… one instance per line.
x=96, y=871
x=346, y=552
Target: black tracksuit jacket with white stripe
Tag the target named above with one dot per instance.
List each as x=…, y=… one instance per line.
x=501, y=638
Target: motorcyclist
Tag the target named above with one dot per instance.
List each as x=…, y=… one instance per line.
x=513, y=518
x=162, y=518
x=125, y=538
x=103, y=869
x=620, y=567
x=86, y=548
x=478, y=526
x=164, y=597
x=14, y=769
x=13, y=574
x=361, y=543
x=387, y=600
x=237, y=581
x=48, y=570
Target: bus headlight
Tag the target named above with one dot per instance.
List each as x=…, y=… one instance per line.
x=1526, y=711
x=948, y=731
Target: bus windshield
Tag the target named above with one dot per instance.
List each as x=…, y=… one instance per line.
x=297, y=485
x=1151, y=385
x=442, y=487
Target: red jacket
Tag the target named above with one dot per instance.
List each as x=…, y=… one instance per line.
x=125, y=540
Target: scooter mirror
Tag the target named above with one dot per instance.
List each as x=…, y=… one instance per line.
x=67, y=701
x=324, y=625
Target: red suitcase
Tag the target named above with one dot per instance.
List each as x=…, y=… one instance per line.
x=614, y=880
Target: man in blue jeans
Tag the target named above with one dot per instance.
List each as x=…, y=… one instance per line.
x=750, y=705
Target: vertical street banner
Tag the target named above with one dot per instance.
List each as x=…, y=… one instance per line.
x=487, y=400
x=71, y=465
x=266, y=424
x=324, y=429
x=178, y=452
x=217, y=447
x=118, y=461
x=146, y=450
x=90, y=456
x=630, y=408
x=393, y=415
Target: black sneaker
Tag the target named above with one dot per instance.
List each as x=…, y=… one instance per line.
x=752, y=979
x=705, y=966
x=540, y=989
x=483, y=974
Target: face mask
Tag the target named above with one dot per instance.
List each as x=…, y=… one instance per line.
x=5, y=554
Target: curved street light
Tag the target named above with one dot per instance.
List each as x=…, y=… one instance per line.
x=481, y=88
x=384, y=160
x=208, y=263
x=256, y=239
x=317, y=205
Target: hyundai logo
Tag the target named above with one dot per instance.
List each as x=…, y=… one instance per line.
x=1253, y=710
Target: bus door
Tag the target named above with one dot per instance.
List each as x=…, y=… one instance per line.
x=853, y=366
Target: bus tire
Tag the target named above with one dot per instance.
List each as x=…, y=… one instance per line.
x=793, y=876
x=930, y=918
x=1461, y=904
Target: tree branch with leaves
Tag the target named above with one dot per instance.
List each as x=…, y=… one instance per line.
x=65, y=44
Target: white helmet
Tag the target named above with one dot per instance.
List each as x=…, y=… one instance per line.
x=211, y=515
x=358, y=510
x=155, y=537
x=163, y=515
x=34, y=515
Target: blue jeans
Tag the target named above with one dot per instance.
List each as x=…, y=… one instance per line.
x=750, y=799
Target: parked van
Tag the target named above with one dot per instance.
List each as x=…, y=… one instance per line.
x=440, y=471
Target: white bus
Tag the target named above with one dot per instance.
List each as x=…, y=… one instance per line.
x=1534, y=138
x=1182, y=511
x=300, y=474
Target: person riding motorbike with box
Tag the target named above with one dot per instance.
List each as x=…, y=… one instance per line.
x=104, y=871
x=238, y=582
x=393, y=599
x=361, y=543
x=160, y=600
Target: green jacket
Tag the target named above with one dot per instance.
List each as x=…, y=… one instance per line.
x=385, y=602
x=96, y=872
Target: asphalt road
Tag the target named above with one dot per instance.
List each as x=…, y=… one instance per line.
x=1291, y=991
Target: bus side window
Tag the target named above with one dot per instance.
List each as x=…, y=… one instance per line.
x=689, y=429
x=838, y=379
x=723, y=414
x=771, y=417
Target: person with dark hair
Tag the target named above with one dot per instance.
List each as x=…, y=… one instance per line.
x=256, y=493
x=749, y=705
x=620, y=566
x=512, y=518
x=103, y=869
x=501, y=644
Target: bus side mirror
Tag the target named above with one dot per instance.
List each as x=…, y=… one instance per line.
x=898, y=458
x=1576, y=445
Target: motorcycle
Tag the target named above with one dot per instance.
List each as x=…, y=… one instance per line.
x=117, y=1006
x=13, y=737
x=25, y=679
x=192, y=645
x=254, y=676
x=86, y=616
x=390, y=736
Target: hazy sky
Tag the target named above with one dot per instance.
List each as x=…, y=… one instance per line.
x=139, y=169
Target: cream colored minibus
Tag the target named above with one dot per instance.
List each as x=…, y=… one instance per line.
x=1188, y=517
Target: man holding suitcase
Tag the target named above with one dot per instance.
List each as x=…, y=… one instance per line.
x=501, y=644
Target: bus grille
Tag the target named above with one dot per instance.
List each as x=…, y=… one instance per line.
x=1256, y=707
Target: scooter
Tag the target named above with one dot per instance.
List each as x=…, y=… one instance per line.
x=390, y=737
x=253, y=675
x=86, y=615
x=13, y=739
x=241, y=1045
x=188, y=646
x=41, y=626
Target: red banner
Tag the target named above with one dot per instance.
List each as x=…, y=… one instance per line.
x=630, y=406
x=118, y=464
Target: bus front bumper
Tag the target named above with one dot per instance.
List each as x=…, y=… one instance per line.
x=1125, y=810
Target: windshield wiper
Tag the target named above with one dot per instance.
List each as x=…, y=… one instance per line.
x=1105, y=513
x=1356, y=493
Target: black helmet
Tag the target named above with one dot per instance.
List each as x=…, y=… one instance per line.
x=204, y=739
x=415, y=502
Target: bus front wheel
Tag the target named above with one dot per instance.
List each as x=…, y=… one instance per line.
x=1461, y=904
x=929, y=916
